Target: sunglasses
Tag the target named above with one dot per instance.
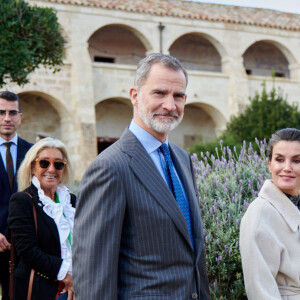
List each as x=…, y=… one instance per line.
x=45, y=163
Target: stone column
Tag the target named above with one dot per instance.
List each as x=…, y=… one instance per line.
x=83, y=138
x=238, y=83
x=295, y=71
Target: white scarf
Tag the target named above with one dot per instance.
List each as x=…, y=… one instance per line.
x=62, y=213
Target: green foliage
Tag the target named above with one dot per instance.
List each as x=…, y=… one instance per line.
x=266, y=113
x=227, y=182
x=29, y=36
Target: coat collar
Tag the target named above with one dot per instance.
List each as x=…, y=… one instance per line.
x=282, y=203
x=146, y=172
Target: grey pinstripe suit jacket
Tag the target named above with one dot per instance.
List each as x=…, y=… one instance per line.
x=131, y=240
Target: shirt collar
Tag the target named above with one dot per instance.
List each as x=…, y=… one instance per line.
x=13, y=140
x=148, y=141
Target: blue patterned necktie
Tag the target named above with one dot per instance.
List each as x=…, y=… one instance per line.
x=176, y=187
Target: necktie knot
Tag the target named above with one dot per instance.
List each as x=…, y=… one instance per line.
x=165, y=150
x=8, y=144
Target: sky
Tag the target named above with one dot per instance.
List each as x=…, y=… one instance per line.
x=292, y=6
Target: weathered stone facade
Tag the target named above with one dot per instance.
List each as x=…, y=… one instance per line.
x=228, y=52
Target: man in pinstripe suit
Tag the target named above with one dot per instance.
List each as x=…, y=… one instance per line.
x=131, y=238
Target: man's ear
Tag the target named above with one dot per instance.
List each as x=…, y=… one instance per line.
x=134, y=95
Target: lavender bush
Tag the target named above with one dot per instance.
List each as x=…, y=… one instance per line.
x=226, y=185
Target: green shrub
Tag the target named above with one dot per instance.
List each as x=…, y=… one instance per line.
x=267, y=113
x=227, y=182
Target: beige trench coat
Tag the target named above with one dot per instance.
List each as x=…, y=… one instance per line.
x=270, y=246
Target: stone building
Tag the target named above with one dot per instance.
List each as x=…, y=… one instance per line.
x=228, y=52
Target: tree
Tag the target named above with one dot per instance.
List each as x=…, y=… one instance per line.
x=266, y=113
x=29, y=36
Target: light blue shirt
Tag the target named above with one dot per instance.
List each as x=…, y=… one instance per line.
x=13, y=150
x=151, y=145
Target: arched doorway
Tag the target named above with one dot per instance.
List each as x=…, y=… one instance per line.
x=197, y=125
x=112, y=117
x=40, y=117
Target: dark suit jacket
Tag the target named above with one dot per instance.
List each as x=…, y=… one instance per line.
x=5, y=193
x=131, y=240
x=41, y=253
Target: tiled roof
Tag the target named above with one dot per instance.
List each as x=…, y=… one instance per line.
x=196, y=10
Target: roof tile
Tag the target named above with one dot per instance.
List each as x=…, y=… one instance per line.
x=197, y=10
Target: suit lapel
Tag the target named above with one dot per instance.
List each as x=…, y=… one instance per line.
x=21, y=152
x=3, y=174
x=146, y=172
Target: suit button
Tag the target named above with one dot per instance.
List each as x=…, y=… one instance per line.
x=194, y=295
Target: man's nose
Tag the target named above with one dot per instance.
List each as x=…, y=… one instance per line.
x=169, y=103
x=7, y=116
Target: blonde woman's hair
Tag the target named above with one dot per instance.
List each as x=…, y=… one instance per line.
x=25, y=171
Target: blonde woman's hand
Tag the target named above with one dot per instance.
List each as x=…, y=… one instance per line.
x=68, y=281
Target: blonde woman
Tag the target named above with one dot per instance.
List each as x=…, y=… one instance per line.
x=41, y=179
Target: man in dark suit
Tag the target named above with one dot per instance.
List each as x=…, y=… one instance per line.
x=138, y=231
x=10, y=119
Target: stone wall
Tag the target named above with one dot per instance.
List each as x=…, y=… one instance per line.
x=88, y=98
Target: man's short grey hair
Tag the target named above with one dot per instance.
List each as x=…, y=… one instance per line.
x=146, y=63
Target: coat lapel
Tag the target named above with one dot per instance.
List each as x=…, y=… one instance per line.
x=146, y=172
x=39, y=210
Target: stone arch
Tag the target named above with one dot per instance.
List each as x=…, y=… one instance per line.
x=113, y=115
x=43, y=115
x=265, y=56
x=198, y=51
x=118, y=43
x=201, y=122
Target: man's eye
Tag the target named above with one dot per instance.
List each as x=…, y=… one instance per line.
x=13, y=113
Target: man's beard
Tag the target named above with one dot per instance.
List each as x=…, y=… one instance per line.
x=153, y=122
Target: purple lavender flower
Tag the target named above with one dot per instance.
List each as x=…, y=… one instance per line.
x=229, y=216
x=215, y=284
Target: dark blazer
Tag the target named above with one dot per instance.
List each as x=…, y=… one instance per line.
x=42, y=253
x=131, y=240
x=5, y=193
